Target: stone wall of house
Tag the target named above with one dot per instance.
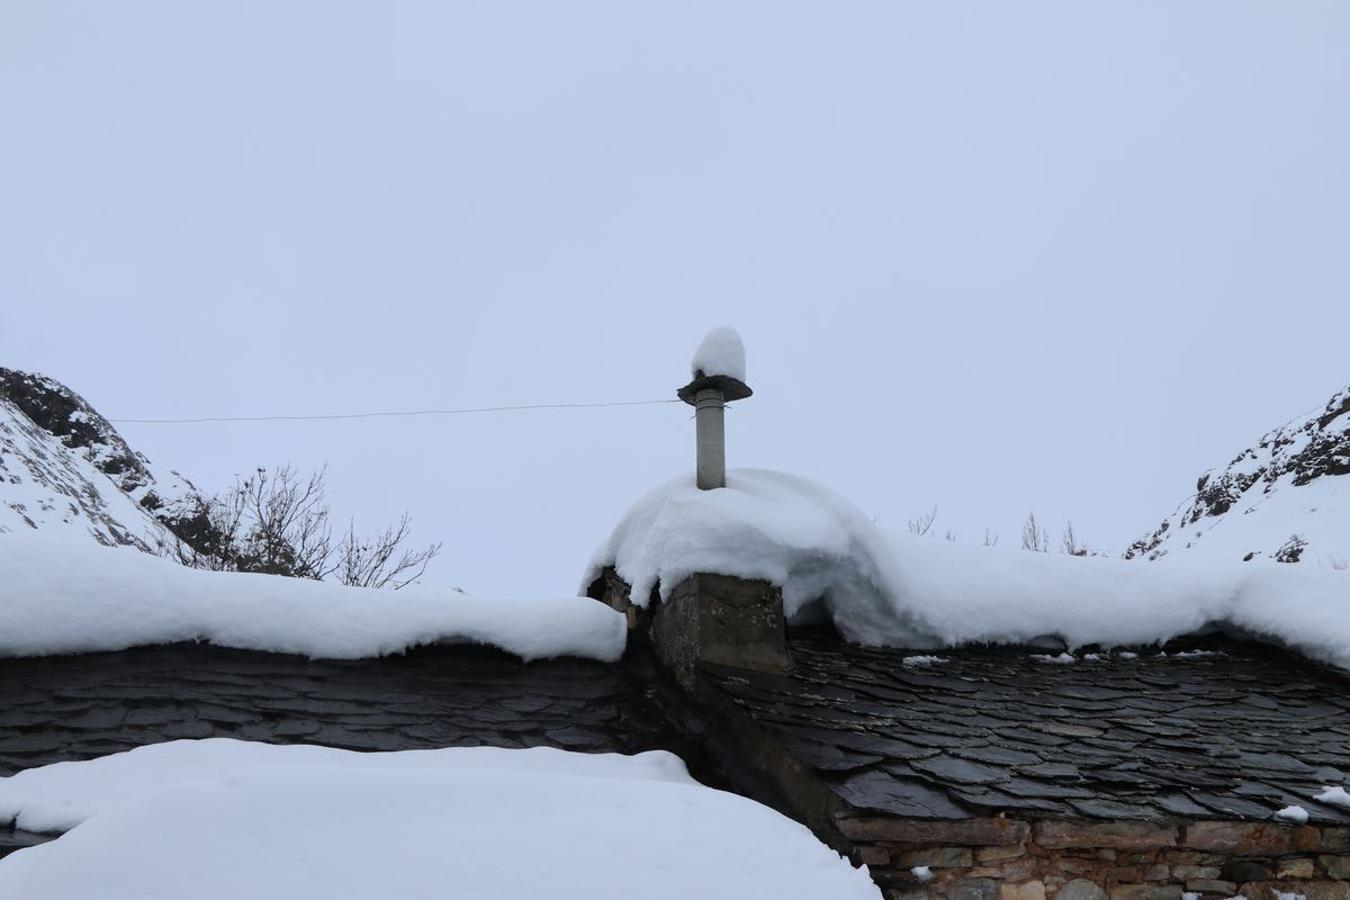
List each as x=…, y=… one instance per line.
x=1010, y=859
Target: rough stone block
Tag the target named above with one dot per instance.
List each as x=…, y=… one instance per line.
x=1114, y=835
x=1146, y=892
x=1026, y=890
x=1337, y=867
x=1157, y=872
x=1335, y=840
x=1001, y=853
x=1127, y=873
x=1296, y=867
x=975, y=889
x=871, y=855
x=1313, y=890
x=937, y=857
x=1081, y=889
x=1017, y=870
x=1189, y=873
x=963, y=832
x=1250, y=838
x=724, y=620
x=1211, y=886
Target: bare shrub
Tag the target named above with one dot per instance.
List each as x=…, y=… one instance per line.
x=1069, y=543
x=1035, y=537
x=920, y=525
x=278, y=523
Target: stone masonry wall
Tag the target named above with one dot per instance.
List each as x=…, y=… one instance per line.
x=1010, y=859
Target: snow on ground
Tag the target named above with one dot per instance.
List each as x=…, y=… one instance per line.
x=62, y=596
x=721, y=353
x=46, y=485
x=1267, y=516
x=1291, y=484
x=908, y=591
x=233, y=819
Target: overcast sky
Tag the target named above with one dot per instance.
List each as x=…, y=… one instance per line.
x=997, y=257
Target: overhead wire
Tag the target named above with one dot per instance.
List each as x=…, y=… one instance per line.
x=392, y=413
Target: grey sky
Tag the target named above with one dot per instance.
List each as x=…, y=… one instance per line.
x=993, y=256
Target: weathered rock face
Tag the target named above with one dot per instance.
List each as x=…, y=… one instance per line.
x=1280, y=499
x=62, y=464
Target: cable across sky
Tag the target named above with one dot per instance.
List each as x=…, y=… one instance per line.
x=391, y=413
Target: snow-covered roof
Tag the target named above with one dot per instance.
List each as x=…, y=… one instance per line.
x=906, y=591
x=234, y=819
x=62, y=596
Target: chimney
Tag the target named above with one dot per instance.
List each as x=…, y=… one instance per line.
x=708, y=618
x=719, y=378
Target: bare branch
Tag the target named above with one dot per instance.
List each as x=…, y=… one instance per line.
x=920, y=525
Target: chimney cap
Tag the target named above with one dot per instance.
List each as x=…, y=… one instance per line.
x=731, y=388
x=719, y=364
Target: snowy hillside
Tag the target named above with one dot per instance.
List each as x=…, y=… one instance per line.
x=1283, y=499
x=63, y=467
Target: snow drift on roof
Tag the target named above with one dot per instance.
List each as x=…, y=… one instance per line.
x=233, y=819
x=906, y=591
x=768, y=525
x=721, y=353
x=68, y=597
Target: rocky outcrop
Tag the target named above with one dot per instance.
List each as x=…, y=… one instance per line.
x=1264, y=502
x=57, y=456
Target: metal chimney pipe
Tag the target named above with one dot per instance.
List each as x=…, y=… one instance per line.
x=710, y=435
x=719, y=370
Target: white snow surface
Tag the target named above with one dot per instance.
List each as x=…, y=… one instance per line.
x=721, y=353
x=1264, y=505
x=767, y=525
x=1334, y=795
x=922, y=592
x=63, y=596
x=233, y=819
x=1296, y=814
x=46, y=486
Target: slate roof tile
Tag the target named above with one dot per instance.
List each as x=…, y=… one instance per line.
x=1234, y=735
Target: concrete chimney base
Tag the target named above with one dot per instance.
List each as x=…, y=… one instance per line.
x=716, y=619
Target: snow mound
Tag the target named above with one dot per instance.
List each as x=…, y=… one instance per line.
x=959, y=593
x=233, y=819
x=925, y=593
x=721, y=353
x=62, y=597
x=763, y=525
